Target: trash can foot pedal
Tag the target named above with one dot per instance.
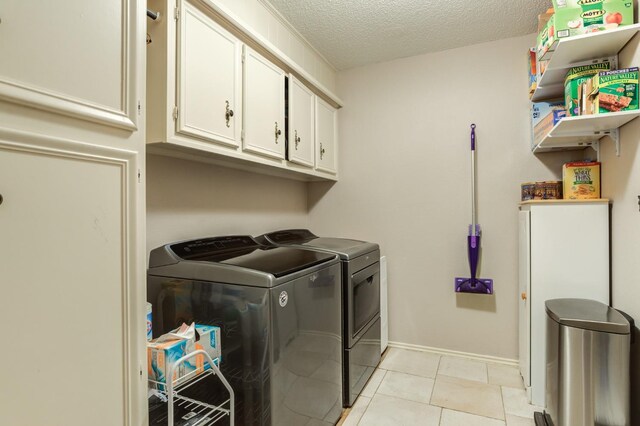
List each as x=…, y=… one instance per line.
x=542, y=419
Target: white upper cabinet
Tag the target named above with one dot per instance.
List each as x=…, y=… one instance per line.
x=301, y=123
x=75, y=58
x=326, y=137
x=210, y=78
x=216, y=95
x=263, y=106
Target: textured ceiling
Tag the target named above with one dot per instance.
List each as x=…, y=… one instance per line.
x=351, y=33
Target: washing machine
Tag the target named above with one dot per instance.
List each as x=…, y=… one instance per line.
x=279, y=312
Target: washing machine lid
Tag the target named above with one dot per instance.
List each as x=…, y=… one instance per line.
x=233, y=259
x=588, y=315
x=345, y=248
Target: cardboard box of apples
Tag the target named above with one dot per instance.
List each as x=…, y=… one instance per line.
x=576, y=17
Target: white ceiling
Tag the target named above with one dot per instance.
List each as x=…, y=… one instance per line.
x=351, y=33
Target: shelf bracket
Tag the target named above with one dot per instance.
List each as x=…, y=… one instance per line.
x=596, y=148
x=615, y=136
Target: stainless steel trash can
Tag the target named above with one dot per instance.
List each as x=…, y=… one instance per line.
x=588, y=346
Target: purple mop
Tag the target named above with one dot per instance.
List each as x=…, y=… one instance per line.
x=473, y=284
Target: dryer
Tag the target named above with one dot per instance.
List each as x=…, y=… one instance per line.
x=361, y=333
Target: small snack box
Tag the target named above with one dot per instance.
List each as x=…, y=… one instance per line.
x=615, y=91
x=573, y=84
x=548, y=190
x=527, y=191
x=543, y=18
x=546, y=41
x=533, y=77
x=581, y=180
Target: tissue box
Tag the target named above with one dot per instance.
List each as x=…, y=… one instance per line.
x=161, y=355
x=210, y=342
x=581, y=180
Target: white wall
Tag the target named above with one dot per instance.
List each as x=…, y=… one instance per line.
x=190, y=200
x=262, y=17
x=405, y=183
x=621, y=183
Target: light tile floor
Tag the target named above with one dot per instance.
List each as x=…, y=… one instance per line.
x=423, y=388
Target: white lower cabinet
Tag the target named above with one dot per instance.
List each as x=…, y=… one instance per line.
x=326, y=137
x=301, y=147
x=564, y=253
x=70, y=284
x=263, y=101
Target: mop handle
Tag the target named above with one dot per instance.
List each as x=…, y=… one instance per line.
x=473, y=180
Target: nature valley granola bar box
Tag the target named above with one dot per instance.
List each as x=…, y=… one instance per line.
x=573, y=82
x=616, y=91
x=581, y=180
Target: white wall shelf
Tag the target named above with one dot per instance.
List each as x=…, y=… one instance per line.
x=573, y=133
x=577, y=51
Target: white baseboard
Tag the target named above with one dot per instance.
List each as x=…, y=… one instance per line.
x=439, y=351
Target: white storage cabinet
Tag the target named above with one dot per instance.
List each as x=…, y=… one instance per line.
x=326, y=137
x=302, y=136
x=72, y=112
x=263, y=100
x=210, y=79
x=217, y=95
x=563, y=253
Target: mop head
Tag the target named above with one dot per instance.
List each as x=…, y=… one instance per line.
x=474, y=285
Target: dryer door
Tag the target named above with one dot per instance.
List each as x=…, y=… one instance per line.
x=363, y=301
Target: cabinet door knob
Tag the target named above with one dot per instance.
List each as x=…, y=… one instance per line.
x=297, y=139
x=322, y=151
x=523, y=296
x=228, y=113
x=278, y=132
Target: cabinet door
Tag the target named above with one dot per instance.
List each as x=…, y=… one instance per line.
x=326, y=137
x=301, y=123
x=69, y=287
x=263, y=106
x=76, y=58
x=524, y=310
x=209, y=72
